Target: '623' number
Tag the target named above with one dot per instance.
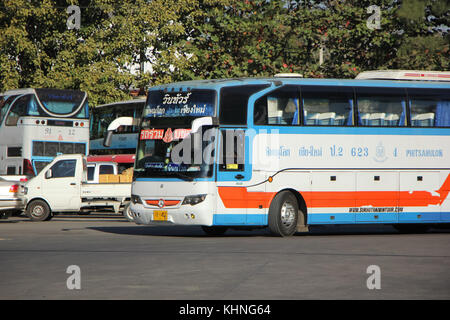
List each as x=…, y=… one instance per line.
x=360, y=152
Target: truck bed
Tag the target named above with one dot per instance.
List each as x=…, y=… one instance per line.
x=118, y=191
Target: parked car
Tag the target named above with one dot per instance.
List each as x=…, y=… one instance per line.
x=11, y=197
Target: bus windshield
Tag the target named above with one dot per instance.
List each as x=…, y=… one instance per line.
x=63, y=102
x=166, y=147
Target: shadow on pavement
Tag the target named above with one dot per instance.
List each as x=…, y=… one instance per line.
x=196, y=231
x=177, y=231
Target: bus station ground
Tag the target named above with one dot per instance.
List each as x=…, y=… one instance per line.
x=117, y=259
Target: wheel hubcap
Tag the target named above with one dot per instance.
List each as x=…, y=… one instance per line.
x=287, y=214
x=38, y=211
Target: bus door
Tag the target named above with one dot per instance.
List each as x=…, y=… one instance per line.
x=233, y=171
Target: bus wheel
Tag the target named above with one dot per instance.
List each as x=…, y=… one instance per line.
x=411, y=228
x=127, y=213
x=214, y=231
x=283, y=214
x=38, y=210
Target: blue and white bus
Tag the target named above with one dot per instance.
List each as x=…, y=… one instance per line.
x=287, y=153
x=38, y=124
x=125, y=138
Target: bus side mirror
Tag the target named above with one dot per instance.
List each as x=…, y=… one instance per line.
x=48, y=174
x=203, y=121
x=122, y=121
x=108, y=138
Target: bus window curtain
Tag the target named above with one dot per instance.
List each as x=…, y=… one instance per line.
x=32, y=107
x=402, y=121
x=295, y=120
x=305, y=113
x=350, y=115
x=443, y=114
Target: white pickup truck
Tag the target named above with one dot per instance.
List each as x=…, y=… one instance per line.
x=62, y=186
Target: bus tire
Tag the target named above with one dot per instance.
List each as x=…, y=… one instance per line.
x=283, y=214
x=127, y=213
x=38, y=210
x=214, y=231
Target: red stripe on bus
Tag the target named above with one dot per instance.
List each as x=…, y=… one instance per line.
x=240, y=197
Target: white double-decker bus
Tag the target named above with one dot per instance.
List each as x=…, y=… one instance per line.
x=38, y=124
x=287, y=153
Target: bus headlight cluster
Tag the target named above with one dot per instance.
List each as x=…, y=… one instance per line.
x=136, y=199
x=193, y=200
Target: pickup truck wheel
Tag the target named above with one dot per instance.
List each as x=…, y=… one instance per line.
x=127, y=213
x=39, y=210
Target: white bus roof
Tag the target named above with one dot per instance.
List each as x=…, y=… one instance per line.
x=405, y=75
x=17, y=91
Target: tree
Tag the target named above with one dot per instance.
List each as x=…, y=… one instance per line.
x=37, y=49
x=261, y=38
x=204, y=39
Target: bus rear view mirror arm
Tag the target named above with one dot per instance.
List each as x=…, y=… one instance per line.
x=114, y=125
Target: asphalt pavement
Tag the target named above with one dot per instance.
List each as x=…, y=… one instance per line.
x=103, y=256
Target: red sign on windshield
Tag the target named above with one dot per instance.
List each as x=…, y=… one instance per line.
x=169, y=136
x=152, y=134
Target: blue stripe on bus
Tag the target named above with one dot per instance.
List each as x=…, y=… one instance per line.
x=240, y=219
x=351, y=218
x=337, y=218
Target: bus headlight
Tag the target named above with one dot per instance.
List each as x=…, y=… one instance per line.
x=193, y=200
x=136, y=199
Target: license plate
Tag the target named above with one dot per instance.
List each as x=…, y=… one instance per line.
x=159, y=215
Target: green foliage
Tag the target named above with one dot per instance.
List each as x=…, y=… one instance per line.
x=197, y=39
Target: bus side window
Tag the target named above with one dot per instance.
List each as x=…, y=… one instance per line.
x=327, y=106
x=429, y=108
x=234, y=102
x=18, y=110
x=279, y=107
x=381, y=107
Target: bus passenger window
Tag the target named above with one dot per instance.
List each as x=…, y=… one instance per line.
x=327, y=106
x=279, y=107
x=381, y=107
x=430, y=109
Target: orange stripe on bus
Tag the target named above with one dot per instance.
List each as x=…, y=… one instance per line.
x=240, y=197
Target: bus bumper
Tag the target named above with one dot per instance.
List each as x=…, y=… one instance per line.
x=181, y=214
